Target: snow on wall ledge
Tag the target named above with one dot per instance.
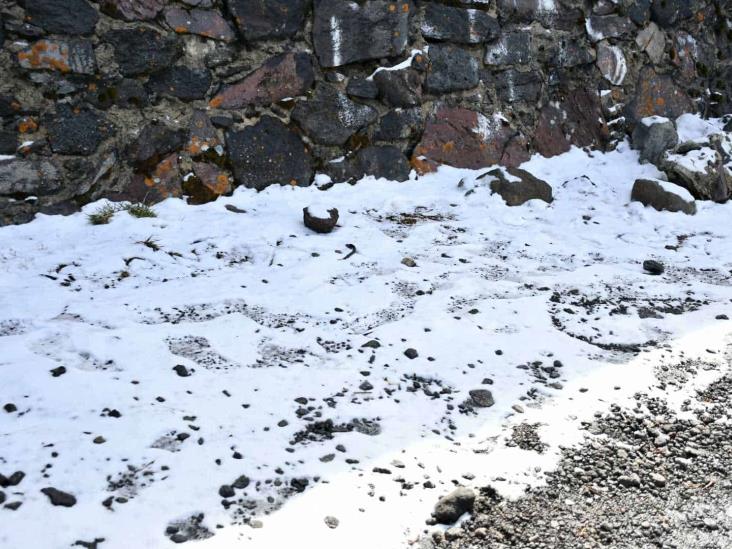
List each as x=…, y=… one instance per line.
x=146, y=99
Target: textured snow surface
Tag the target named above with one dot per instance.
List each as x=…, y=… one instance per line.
x=261, y=311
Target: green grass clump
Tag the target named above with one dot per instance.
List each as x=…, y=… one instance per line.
x=140, y=210
x=103, y=215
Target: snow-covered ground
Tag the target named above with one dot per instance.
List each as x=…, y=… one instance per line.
x=269, y=319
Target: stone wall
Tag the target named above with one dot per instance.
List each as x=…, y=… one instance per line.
x=145, y=99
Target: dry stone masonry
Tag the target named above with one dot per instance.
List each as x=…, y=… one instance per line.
x=146, y=99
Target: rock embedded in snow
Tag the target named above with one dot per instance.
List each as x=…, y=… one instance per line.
x=517, y=186
x=59, y=498
x=331, y=522
x=181, y=370
x=653, y=136
x=320, y=221
x=662, y=196
x=409, y=262
x=481, y=398
x=411, y=353
x=226, y=491
x=653, y=267
x=451, y=507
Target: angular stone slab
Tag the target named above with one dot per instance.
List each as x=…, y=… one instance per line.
x=285, y=75
x=269, y=153
x=346, y=32
x=268, y=19
x=206, y=23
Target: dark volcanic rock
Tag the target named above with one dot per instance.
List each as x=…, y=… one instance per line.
x=451, y=69
x=320, y=224
x=653, y=267
x=142, y=51
x=652, y=193
x=58, y=497
x=62, y=16
x=346, y=32
x=133, y=10
x=513, y=86
x=458, y=25
x=669, y=12
x=452, y=506
x=268, y=153
x=76, y=131
x=207, y=23
x=514, y=48
x=268, y=19
x=330, y=117
x=464, y=138
x=362, y=88
x=481, y=398
x=8, y=141
x=126, y=93
x=600, y=27
x=226, y=491
x=281, y=76
x=519, y=186
x=185, y=83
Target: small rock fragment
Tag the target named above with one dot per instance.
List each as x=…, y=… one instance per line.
x=653, y=267
x=59, y=498
x=320, y=224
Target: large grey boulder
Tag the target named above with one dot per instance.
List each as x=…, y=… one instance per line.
x=663, y=196
x=653, y=136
